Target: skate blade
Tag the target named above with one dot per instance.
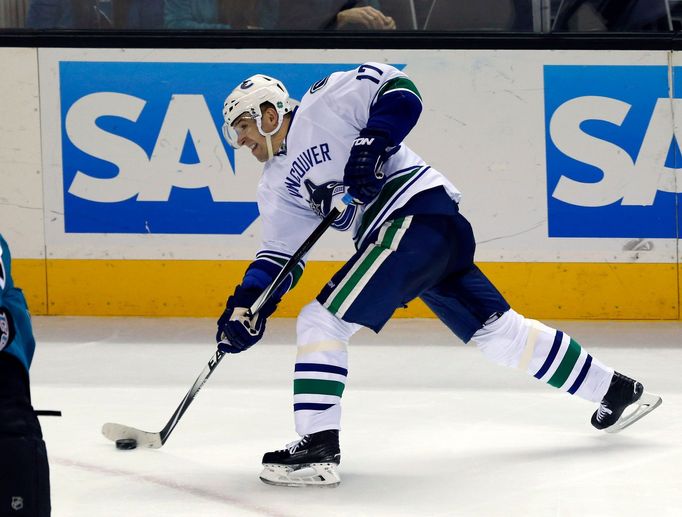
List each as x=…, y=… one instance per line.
x=313, y=474
x=646, y=404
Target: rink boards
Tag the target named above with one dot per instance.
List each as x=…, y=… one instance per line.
x=120, y=198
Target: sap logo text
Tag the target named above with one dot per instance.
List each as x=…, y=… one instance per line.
x=149, y=178
x=632, y=181
x=141, y=147
x=613, y=157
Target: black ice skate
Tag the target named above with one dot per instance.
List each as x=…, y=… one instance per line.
x=310, y=461
x=623, y=392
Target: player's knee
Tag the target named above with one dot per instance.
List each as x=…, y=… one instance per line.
x=317, y=323
x=503, y=340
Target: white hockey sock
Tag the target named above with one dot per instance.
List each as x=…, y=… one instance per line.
x=545, y=353
x=321, y=369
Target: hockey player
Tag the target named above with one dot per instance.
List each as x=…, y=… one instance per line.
x=411, y=240
x=24, y=471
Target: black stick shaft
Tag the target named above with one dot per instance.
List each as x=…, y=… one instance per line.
x=217, y=357
x=191, y=394
x=295, y=258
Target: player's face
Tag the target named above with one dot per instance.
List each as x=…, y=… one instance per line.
x=249, y=136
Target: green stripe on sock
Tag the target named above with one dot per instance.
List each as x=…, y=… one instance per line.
x=566, y=366
x=318, y=387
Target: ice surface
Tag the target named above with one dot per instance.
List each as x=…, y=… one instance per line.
x=430, y=428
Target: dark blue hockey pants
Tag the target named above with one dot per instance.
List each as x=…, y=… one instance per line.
x=429, y=256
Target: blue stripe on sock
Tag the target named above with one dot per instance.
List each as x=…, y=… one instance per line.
x=311, y=406
x=581, y=376
x=552, y=354
x=316, y=367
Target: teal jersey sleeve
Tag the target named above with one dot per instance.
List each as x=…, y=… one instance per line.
x=16, y=332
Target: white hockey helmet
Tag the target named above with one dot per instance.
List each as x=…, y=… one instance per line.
x=247, y=98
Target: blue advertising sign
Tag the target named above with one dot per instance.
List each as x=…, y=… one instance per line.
x=612, y=152
x=142, y=147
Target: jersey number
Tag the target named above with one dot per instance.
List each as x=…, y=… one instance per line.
x=362, y=73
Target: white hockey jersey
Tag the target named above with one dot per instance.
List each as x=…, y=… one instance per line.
x=317, y=146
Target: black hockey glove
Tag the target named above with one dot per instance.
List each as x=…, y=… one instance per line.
x=236, y=332
x=362, y=174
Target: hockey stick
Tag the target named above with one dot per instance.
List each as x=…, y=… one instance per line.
x=299, y=254
x=156, y=440
x=150, y=440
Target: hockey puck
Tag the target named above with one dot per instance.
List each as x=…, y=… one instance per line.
x=126, y=444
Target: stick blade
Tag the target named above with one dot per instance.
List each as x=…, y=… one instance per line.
x=144, y=439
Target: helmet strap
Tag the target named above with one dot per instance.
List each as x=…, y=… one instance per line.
x=268, y=136
x=268, y=141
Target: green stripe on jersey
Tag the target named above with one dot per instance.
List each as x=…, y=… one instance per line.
x=390, y=188
x=399, y=83
x=318, y=387
x=566, y=366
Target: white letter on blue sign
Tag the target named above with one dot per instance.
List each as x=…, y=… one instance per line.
x=130, y=158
